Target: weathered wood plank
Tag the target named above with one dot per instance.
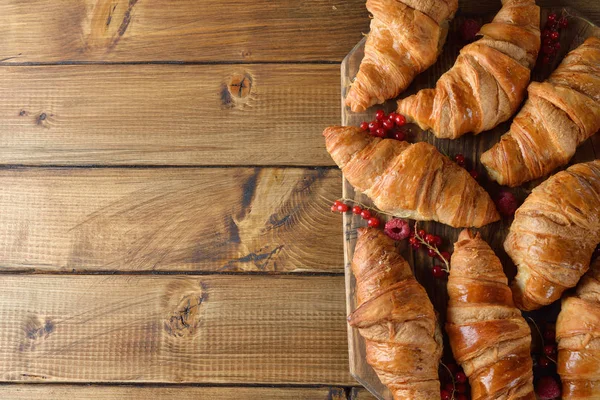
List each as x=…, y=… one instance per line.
x=208, y=329
x=167, y=114
x=361, y=394
x=193, y=30
x=62, y=392
x=207, y=219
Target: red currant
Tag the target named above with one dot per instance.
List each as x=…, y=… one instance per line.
x=431, y=253
x=414, y=242
x=460, y=377
x=549, y=350
x=461, y=388
x=399, y=135
x=380, y=132
x=380, y=115
x=474, y=174
x=438, y=272
x=563, y=22
x=374, y=125
x=546, y=33
x=557, y=46
x=373, y=222
x=544, y=362
x=400, y=120
x=365, y=214
x=437, y=241
x=462, y=396
x=445, y=395
x=548, y=42
x=445, y=255
x=337, y=203
x=548, y=49
x=453, y=368
x=555, y=35
x=552, y=17
x=364, y=126
x=546, y=60
x=449, y=387
x=356, y=210
x=460, y=159
x=429, y=238
x=343, y=208
x=334, y=208
x=421, y=232
x=388, y=125
x=549, y=335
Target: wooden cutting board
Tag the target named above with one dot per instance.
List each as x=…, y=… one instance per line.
x=472, y=147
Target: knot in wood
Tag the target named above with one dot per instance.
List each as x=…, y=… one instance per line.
x=240, y=85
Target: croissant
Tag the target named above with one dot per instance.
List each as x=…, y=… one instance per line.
x=394, y=315
x=406, y=38
x=487, y=83
x=559, y=115
x=578, y=336
x=554, y=234
x=488, y=335
x=410, y=180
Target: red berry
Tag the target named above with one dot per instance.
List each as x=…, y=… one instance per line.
x=365, y=214
x=429, y=238
x=546, y=60
x=356, y=210
x=544, y=362
x=364, y=126
x=460, y=377
x=414, y=243
x=547, y=388
x=563, y=22
x=399, y=135
x=445, y=255
x=546, y=33
x=548, y=42
x=557, y=46
x=380, y=115
x=388, y=125
x=462, y=397
x=374, y=125
x=549, y=335
x=437, y=241
x=449, y=387
x=431, y=253
x=554, y=35
x=373, y=222
x=552, y=25
x=397, y=229
x=549, y=350
x=552, y=17
x=438, y=272
x=392, y=116
x=343, y=208
x=453, y=368
x=337, y=203
x=460, y=159
x=445, y=395
x=507, y=203
x=380, y=132
x=469, y=30
x=474, y=174
x=461, y=388
x=548, y=49
x=400, y=120
x=334, y=208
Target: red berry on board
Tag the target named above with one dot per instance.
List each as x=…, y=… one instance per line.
x=469, y=30
x=507, y=203
x=449, y=387
x=453, y=368
x=365, y=214
x=557, y=46
x=337, y=203
x=397, y=229
x=388, y=125
x=461, y=388
x=422, y=232
x=343, y=208
x=548, y=49
x=380, y=115
x=414, y=243
x=373, y=222
x=548, y=42
x=546, y=33
x=460, y=159
x=462, y=396
x=555, y=35
x=392, y=117
x=547, y=388
x=445, y=395
x=549, y=335
x=400, y=120
x=438, y=273
x=431, y=253
x=380, y=132
x=429, y=238
x=474, y=174
x=460, y=377
x=563, y=22
x=549, y=350
x=544, y=362
x=356, y=210
x=334, y=208
x=374, y=125
x=437, y=241
x=445, y=255
x=364, y=126
x=399, y=135
x=552, y=17
x=546, y=60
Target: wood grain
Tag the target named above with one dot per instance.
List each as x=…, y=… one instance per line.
x=194, y=31
x=361, y=394
x=209, y=329
x=207, y=219
x=62, y=392
x=167, y=114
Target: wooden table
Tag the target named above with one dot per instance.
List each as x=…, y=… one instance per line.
x=164, y=193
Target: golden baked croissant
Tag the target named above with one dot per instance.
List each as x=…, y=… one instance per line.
x=396, y=318
x=406, y=38
x=578, y=336
x=488, y=336
x=559, y=115
x=554, y=235
x=410, y=180
x=487, y=83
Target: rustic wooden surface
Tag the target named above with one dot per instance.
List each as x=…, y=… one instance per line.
x=222, y=279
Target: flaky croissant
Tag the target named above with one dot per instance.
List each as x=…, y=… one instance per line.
x=488, y=336
x=554, y=234
x=396, y=318
x=578, y=336
x=406, y=38
x=559, y=115
x=487, y=83
x=410, y=180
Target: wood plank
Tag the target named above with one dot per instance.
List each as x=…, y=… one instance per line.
x=361, y=394
x=167, y=114
x=215, y=30
x=61, y=392
x=191, y=220
x=208, y=329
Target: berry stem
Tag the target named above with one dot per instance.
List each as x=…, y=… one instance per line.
x=537, y=328
x=430, y=247
x=365, y=207
x=451, y=377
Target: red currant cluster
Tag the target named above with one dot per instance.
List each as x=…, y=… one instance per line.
x=419, y=238
x=455, y=386
x=547, y=386
x=551, y=36
x=386, y=125
x=341, y=207
x=462, y=162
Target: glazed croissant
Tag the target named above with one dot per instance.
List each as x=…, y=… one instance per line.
x=489, y=337
x=578, y=336
x=487, y=83
x=406, y=38
x=554, y=235
x=559, y=115
x=394, y=315
x=410, y=180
